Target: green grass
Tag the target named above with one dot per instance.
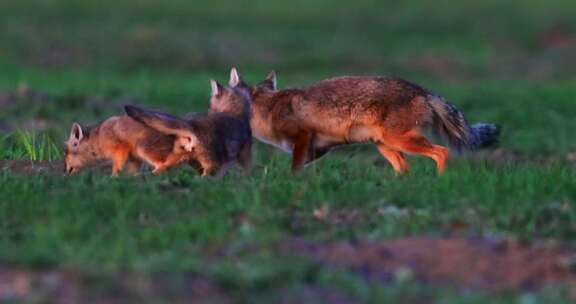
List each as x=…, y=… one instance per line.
x=37, y=146
x=29, y=145
x=66, y=61
x=171, y=223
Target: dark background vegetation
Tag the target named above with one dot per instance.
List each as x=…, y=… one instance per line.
x=151, y=238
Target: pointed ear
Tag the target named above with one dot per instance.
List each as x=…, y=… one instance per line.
x=270, y=82
x=217, y=88
x=76, y=132
x=235, y=78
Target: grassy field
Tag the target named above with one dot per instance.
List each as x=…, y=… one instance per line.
x=177, y=237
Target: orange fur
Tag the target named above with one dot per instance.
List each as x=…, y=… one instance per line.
x=125, y=142
x=388, y=112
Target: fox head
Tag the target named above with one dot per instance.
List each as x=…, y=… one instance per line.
x=186, y=139
x=234, y=98
x=79, y=151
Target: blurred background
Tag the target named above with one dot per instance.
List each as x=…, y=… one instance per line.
x=445, y=40
x=90, y=57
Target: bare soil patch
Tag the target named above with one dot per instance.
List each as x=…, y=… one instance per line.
x=464, y=263
x=67, y=286
x=55, y=167
x=58, y=286
x=29, y=167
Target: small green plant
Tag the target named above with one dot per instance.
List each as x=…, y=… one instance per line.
x=36, y=146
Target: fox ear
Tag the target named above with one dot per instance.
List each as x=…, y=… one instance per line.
x=235, y=78
x=217, y=88
x=270, y=81
x=76, y=133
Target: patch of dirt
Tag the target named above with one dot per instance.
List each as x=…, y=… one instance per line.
x=464, y=263
x=64, y=286
x=558, y=36
x=571, y=157
x=18, y=284
x=313, y=294
x=30, y=167
x=57, y=286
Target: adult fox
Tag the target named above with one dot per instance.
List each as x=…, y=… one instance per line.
x=391, y=113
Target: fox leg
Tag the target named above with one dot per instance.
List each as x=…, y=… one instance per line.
x=208, y=166
x=133, y=165
x=212, y=170
x=301, y=150
x=245, y=157
x=119, y=159
x=159, y=169
x=414, y=142
x=169, y=162
x=396, y=159
x=196, y=165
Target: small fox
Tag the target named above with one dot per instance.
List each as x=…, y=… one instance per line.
x=127, y=143
x=391, y=113
x=218, y=138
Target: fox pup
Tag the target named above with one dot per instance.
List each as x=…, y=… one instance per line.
x=126, y=142
x=217, y=138
x=391, y=113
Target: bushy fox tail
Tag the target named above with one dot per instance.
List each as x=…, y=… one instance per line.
x=159, y=121
x=452, y=125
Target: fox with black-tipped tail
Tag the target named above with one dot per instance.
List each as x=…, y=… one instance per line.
x=391, y=113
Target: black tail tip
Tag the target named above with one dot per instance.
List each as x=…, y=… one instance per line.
x=134, y=111
x=486, y=135
x=130, y=109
